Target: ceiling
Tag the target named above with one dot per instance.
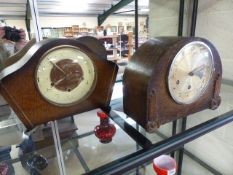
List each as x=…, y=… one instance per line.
x=17, y=8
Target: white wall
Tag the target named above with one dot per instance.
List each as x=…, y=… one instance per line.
x=214, y=22
x=67, y=21
x=17, y=23
x=90, y=22
x=163, y=18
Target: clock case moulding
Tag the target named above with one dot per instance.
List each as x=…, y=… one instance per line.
x=145, y=83
x=18, y=82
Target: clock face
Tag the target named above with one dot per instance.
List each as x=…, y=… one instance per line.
x=190, y=72
x=65, y=75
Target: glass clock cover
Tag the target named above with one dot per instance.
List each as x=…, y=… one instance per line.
x=65, y=75
x=190, y=72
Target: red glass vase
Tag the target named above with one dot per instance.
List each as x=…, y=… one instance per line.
x=105, y=130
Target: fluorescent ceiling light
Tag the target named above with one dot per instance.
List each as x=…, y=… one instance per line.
x=143, y=2
x=73, y=6
x=144, y=10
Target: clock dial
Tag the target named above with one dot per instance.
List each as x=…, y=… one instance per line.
x=65, y=75
x=190, y=72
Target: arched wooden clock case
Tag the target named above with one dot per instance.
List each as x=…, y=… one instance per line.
x=19, y=84
x=147, y=97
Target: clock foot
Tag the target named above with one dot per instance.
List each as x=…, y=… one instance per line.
x=215, y=102
x=152, y=126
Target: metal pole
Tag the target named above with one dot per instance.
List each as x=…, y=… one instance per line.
x=56, y=137
x=194, y=18
x=181, y=18
x=202, y=163
x=137, y=148
x=136, y=24
x=193, y=157
x=184, y=120
x=81, y=159
x=180, y=33
x=138, y=158
x=27, y=20
x=57, y=144
x=114, y=8
x=35, y=19
x=131, y=131
x=174, y=125
x=181, y=152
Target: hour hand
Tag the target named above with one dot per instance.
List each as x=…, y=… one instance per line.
x=198, y=71
x=58, y=81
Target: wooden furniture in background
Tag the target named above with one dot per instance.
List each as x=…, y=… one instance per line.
x=75, y=30
x=68, y=32
x=130, y=44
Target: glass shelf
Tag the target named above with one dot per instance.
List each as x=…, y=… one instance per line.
x=95, y=154
x=83, y=152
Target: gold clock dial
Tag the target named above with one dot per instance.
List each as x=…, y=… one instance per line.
x=190, y=72
x=65, y=75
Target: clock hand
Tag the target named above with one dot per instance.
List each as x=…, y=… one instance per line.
x=57, y=67
x=197, y=71
x=58, y=81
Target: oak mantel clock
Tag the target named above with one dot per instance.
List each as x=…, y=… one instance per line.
x=169, y=78
x=57, y=78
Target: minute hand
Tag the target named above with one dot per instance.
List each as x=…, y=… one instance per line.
x=197, y=71
x=57, y=67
